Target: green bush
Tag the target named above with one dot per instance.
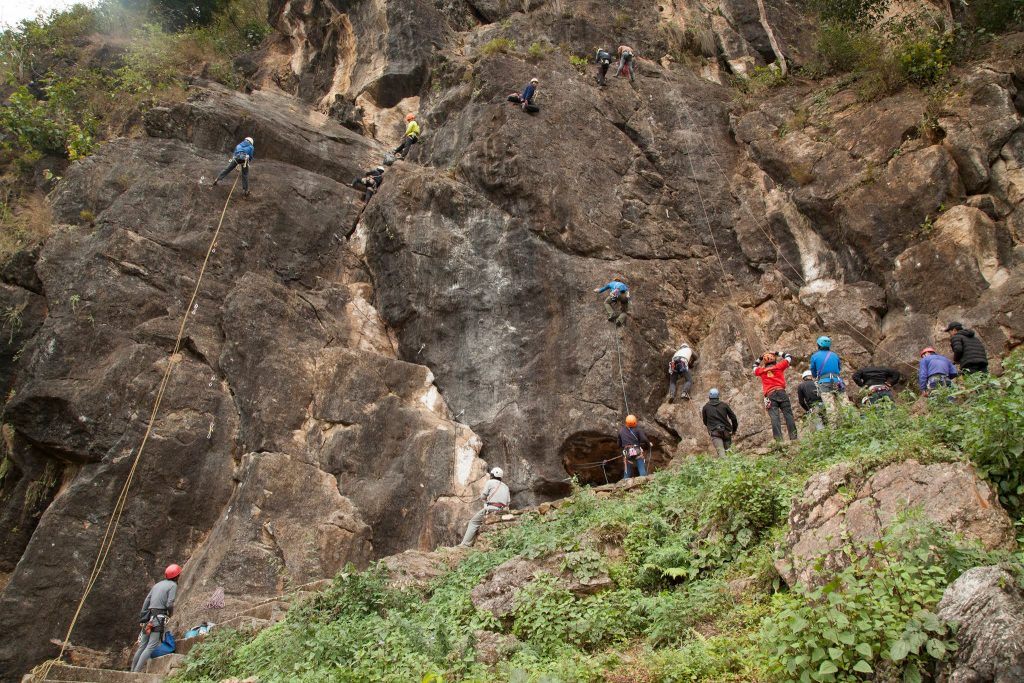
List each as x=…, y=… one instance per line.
x=862, y=13
x=579, y=63
x=876, y=615
x=927, y=57
x=54, y=125
x=498, y=46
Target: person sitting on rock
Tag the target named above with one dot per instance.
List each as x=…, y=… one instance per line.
x=720, y=421
x=369, y=182
x=679, y=366
x=968, y=351
x=496, y=498
x=808, y=398
x=412, y=136
x=631, y=443
x=772, y=373
x=157, y=608
x=879, y=382
x=603, y=59
x=934, y=371
x=618, y=291
x=825, y=367
x=625, y=61
x=526, y=97
x=245, y=151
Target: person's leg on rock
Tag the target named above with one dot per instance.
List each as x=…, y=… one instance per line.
x=227, y=169
x=473, y=528
x=608, y=307
x=245, y=178
x=687, y=384
x=671, y=387
x=145, y=650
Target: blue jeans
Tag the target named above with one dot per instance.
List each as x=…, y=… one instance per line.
x=635, y=466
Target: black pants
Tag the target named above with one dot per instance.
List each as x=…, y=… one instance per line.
x=407, y=142
x=602, y=73
x=779, y=403
x=687, y=383
x=882, y=395
x=971, y=368
x=231, y=167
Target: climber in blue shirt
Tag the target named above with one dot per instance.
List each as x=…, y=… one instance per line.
x=825, y=368
x=618, y=292
x=243, y=154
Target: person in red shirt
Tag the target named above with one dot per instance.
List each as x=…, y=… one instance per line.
x=772, y=372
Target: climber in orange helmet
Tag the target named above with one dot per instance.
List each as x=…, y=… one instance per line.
x=412, y=136
x=157, y=608
x=631, y=443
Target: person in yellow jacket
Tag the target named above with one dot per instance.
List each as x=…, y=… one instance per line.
x=412, y=136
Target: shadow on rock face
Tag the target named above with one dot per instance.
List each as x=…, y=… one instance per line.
x=594, y=458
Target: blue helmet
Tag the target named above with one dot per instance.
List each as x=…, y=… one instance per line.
x=824, y=342
x=713, y=393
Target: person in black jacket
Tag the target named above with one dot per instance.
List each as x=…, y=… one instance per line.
x=879, y=382
x=968, y=351
x=720, y=421
x=369, y=182
x=810, y=400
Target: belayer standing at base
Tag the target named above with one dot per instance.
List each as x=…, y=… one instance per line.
x=618, y=292
x=679, y=368
x=720, y=421
x=496, y=498
x=934, y=371
x=772, y=373
x=245, y=151
x=825, y=367
x=968, y=351
x=879, y=382
x=157, y=608
x=631, y=442
x=808, y=398
x=411, y=137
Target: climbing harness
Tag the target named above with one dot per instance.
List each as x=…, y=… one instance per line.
x=115, y=517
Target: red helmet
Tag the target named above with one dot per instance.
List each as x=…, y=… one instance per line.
x=768, y=358
x=173, y=571
x=926, y=350
x=631, y=420
x=410, y=117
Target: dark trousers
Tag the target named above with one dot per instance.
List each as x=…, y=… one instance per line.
x=722, y=441
x=881, y=395
x=231, y=167
x=779, y=406
x=147, y=643
x=407, y=142
x=602, y=73
x=687, y=385
x=625, y=63
x=971, y=368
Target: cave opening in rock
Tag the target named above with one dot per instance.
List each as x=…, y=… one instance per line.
x=594, y=458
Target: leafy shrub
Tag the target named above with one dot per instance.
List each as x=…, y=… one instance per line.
x=536, y=51
x=48, y=126
x=763, y=78
x=498, y=46
x=874, y=615
x=862, y=13
x=925, y=57
x=579, y=63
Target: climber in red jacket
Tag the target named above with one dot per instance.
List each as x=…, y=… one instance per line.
x=772, y=372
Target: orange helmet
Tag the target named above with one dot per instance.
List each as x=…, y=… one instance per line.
x=631, y=420
x=173, y=571
x=926, y=350
x=768, y=358
x=410, y=117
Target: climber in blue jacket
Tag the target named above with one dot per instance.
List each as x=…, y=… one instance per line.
x=243, y=154
x=825, y=368
x=618, y=292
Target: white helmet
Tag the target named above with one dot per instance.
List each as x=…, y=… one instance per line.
x=497, y=473
x=250, y=141
x=806, y=373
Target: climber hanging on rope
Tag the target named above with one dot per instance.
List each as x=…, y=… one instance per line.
x=526, y=97
x=772, y=372
x=245, y=151
x=720, y=421
x=411, y=137
x=625, y=62
x=809, y=399
x=369, y=182
x=157, y=608
x=631, y=442
x=679, y=367
x=878, y=382
x=496, y=498
x=603, y=59
x=825, y=367
x=618, y=292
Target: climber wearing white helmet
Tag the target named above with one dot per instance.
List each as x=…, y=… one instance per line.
x=245, y=151
x=810, y=400
x=496, y=498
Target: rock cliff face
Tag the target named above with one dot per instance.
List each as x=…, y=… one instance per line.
x=347, y=371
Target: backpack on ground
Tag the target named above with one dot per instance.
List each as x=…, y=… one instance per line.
x=166, y=645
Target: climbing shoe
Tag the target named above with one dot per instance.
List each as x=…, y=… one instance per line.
x=215, y=183
x=686, y=396
x=671, y=400
x=245, y=193
x=611, y=318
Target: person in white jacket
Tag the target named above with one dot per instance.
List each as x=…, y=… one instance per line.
x=679, y=366
x=496, y=498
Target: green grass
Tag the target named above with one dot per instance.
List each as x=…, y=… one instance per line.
x=696, y=596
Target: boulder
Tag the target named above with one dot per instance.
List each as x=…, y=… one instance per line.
x=985, y=604
x=497, y=591
x=839, y=506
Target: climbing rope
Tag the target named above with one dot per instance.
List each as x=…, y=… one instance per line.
x=115, y=517
x=799, y=274
x=622, y=381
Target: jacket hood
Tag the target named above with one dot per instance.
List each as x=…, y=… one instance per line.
x=714, y=401
x=966, y=333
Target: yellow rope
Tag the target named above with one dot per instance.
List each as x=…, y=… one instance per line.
x=115, y=516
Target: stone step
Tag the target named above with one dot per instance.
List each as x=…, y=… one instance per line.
x=79, y=674
x=165, y=665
